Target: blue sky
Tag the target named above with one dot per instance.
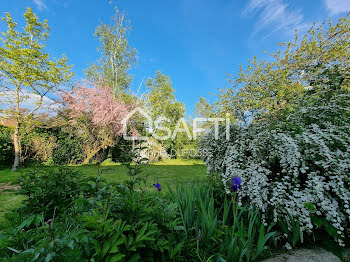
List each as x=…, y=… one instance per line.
x=195, y=42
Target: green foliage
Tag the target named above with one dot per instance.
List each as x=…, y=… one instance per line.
x=161, y=99
x=36, y=240
x=37, y=144
x=105, y=222
x=188, y=150
x=162, y=102
x=226, y=232
x=51, y=191
x=69, y=149
x=42, y=145
x=6, y=146
x=271, y=89
x=290, y=227
x=122, y=152
x=115, y=241
x=23, y=58
x=245, y=241
x=117, y=57
x=204, y=109
x=135, y=169
x=26, y=69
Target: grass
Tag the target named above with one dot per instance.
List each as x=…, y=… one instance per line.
x=166, y=172
x=8, y=201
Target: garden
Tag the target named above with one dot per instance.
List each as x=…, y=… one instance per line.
x=267, y=171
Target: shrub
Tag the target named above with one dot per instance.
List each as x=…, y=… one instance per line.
x=299, y=167
x=105, y=222
x=37, y=144
x=69, y=149
x=122, y=152
x=6, y=146
x=36, y=240
x=50, y=191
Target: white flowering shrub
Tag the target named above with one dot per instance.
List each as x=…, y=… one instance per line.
x=300, y=167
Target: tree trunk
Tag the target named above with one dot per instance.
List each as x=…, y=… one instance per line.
x=16, y=137
x=91, y=155
x=16, y=142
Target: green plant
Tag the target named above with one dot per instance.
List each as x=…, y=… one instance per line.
x=187, y=204
x=69, y=148
x=6, y=146
x=290, y=227
x=107, y=236
x=115, y=240
x=38, y=240
x=111, y=222
x=226, y=232
x=122, y=152
x=49, y=190
x=247, y=238
x=135, y=168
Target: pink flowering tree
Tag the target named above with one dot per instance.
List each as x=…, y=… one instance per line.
x=97, y=114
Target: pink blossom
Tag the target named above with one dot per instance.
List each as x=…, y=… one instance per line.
x=98, y=103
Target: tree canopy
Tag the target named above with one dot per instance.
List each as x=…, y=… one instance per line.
x=270, y=89
x=117, y=56
x=26, y=70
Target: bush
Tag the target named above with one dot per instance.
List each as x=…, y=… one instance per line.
x=299, y=167
x=69, y=149
x=122, y=152
x=50, y=191
x=105, y=222
x=6, y=146
x=37, y=144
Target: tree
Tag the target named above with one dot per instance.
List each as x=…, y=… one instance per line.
x=117, y=57
x=162, y=102
x=204, y=109
x=26, y=70
x=270, y=90
x=264, y=90
x=97, y=114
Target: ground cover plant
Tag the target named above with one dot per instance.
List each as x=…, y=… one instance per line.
x=89, y=219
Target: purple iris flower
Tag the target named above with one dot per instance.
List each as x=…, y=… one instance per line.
x=236, y=184
x=157, y=185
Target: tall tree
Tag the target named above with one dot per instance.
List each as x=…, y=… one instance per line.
x=162, y=102
x=26, y=70
x=204, y=109
x=264, y=90
x=270, y=89
x=161, y=99
x=117, y=57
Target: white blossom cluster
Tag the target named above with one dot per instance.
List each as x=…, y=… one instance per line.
x=288, y=169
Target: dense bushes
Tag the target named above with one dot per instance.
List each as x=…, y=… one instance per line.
x=50, y=192
x=6, y=146
x=42, y=145
x=69, y=149
x=122, y=152
x=37, y=144
x=298, y=168
x=65, y=218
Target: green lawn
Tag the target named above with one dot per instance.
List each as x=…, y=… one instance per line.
x=166, y=172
